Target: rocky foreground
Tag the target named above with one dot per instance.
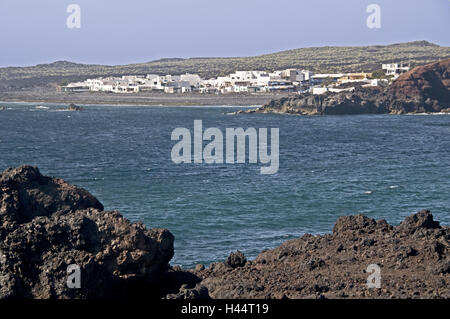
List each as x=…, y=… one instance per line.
x=424, y=89
x=47, y=225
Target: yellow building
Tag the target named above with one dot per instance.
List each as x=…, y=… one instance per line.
x=354, y=77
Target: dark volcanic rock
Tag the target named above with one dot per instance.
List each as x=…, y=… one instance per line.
x=423, y=219
x=27, y=194
x=198, y=292
x=73, y=107
x=413, y=258
x=236, y=259
x=47, y=225
x=357, y=223
x=423, y=89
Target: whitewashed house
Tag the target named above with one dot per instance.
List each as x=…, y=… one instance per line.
x=194, y=79
x=395, y=69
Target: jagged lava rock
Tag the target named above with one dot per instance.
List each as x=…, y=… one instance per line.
x=236, y=259
x=27, y=194
x=423, y=89
x=422, y=219
x=413, y=258
x=47, y=224
x=73, y=107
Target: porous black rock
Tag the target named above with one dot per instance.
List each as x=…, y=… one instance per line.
x=47, y=225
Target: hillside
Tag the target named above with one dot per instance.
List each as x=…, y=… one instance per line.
x=317, y=59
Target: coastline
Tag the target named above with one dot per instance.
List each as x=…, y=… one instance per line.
x=258, y=109
x=60, y=104
x=143, y=99
x=119, y=259
x=422, y=90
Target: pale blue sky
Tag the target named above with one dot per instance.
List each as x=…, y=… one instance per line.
x=133, y=31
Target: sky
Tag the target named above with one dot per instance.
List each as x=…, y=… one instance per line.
x=135, y=31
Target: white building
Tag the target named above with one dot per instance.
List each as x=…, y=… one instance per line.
x=262, y=79
x=237, y=82
x=194, y=79
x=304, y=75
x=100, y=84
x=75, y=87
x=322, y=90
x=289, y=75
x=327, y=76
x=395, y=69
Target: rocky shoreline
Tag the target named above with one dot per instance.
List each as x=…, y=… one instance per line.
x=425, y=89
x=46, y=225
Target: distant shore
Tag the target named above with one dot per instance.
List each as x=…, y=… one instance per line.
x=161, y=99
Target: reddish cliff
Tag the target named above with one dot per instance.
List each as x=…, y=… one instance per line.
x=425, y=88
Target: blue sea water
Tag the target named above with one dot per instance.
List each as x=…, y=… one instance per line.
x=383, y=166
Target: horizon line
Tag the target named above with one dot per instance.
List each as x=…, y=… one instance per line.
x=217, y=57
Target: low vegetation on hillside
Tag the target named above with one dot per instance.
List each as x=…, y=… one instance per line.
x=316, y=59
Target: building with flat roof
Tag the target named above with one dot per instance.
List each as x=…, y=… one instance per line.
x=395, y=69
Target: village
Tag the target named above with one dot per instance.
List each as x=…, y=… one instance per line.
x=289, y=80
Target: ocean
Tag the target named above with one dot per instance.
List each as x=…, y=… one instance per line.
x=383, y=166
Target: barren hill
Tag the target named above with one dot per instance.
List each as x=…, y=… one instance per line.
x=317, y=59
